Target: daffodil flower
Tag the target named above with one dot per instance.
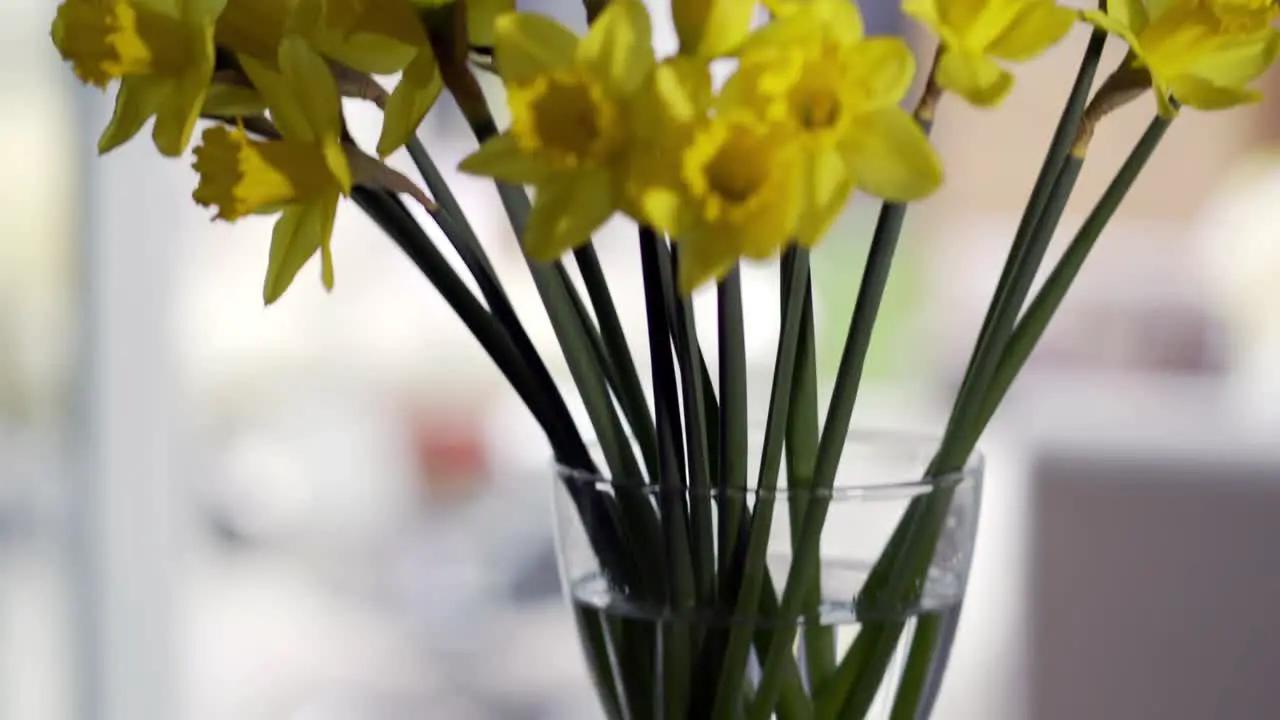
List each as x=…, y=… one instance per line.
x=1202, y=53
x=162, y=53
x=976, y=33
x=302, y=175
x=712, y=28
x=570, y=103
x=838, y=93
x=725, y=186
x=379, y=37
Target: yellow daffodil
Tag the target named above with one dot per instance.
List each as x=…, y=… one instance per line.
x=571, y=119
x=838, y=93
x=724, y=185
x=1202, y=53
x=378, y=37
x=712, y=28
x=976, y=33
x=161, y=51
x=302, y=175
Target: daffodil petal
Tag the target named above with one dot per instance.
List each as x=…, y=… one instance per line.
x=1129, y=13
x=677, y=91
x=619, y=47
x=828, y=184
x=565, y=213
x=1241, y=62
x=501, y=158
x=409, y=102
x=1205, y=95
x=300, y=232
x=481, y=15
x=1037, y=26
x=313, y=86
x=176, y=117
x=886, y=68
x=839, y=19
x=703, y=259
x=712, y=28
x=227, y=100
x=891, y=157
x=137, y=100
x=527, y=45
x=926, y=11
x=976, y=78
x=1106, y=22
x=287, y=114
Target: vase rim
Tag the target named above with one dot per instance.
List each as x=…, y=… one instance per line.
x=880, y=484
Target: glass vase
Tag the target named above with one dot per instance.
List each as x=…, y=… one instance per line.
x=677, y=622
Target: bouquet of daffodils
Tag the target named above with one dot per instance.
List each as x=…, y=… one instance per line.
x=714, y=175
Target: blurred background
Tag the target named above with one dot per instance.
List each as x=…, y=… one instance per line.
x=333, y=509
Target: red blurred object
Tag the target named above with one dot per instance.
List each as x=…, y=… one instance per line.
x=452, y=458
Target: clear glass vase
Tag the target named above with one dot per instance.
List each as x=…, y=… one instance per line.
x=866, y=636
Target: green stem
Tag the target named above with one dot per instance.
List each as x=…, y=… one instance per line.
x=1029, y=244
x=806, y=561
x=732, y=477
x=1041, y=310
x=395, y=220
x=732, y=673
x=801, y=448
x=625, y=379
x=453, y=223
x=639, y=523
x=910, y=697
x=671, y=484
x=697, y=434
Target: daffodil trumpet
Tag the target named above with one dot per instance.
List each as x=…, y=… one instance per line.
x=723, y=173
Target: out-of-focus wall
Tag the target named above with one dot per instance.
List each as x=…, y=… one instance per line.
x=992, y=156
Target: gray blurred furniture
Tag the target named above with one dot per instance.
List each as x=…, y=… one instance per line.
x=1154, y=566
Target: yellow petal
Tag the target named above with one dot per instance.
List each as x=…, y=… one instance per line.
x=528, y=45
x=1129, y=13
x=926, y=11
x=230, y=100
x=677, y=91
x=1037, y=26
x=618, y=50
x=976, y=78
x=838, y=20
x=313, y=86
x=1103, y=21
x=286, y=112
x=712, y=28
x=827, y=185
x=702, y=260
x=176, y=117
x=1205, y=95
x=885, y=70
x=136, y=101
x=501, y=158
x=409, y=102
x=1240, y=62
x=300, y=232
x=565, y=213
x=891, y=158
x=481, y=15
